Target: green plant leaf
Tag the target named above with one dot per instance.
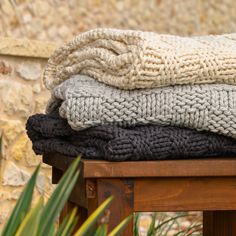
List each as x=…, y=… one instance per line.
x=62, y=225
x=29, y=226
x=101, y=230
x=68, y=224
x=93, y=217
x=194, y=227
x=120, y=227
x=164, y=230
x=22, y=207
x=58, y=198
x=51, y=231
x=170, y=219
x=136, y=224
x=151, y=229
x=72, y=227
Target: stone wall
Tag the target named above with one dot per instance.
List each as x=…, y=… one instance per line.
x=21, y=94
x=58, y=20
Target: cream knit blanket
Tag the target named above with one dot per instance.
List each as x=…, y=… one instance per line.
x=85, y=102
x=130, y=59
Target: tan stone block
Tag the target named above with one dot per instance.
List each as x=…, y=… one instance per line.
x=41, y=8
x=11, y=128
x=6, y=208
x=45, y=166
x=29, y=70
x=36, y=88
x=17, y=98
x=5, y=68
x=26, y=47
x=19, y=148
x=3, y=146
x=4, y=213
x=4, y=195
x=7, y=8
x=14, y=176
x=31, y=158
x=15, y=194
x=41, y=184
x=22, y=150
x=41, y=102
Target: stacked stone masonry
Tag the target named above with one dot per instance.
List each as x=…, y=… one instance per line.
x=57, y=20
x=21, y=94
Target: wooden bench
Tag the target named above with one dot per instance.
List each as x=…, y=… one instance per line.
x=207, y=185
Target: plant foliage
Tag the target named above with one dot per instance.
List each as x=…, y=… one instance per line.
x=41, y=219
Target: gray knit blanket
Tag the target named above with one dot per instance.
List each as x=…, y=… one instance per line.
x=133, y=59
x=85, y=102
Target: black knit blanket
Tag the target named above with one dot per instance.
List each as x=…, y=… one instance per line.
x=50, y=133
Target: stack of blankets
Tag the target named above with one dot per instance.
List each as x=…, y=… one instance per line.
x=124, y=95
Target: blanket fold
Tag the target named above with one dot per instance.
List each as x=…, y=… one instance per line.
x=130, y=59
x=51, y=133
x=85, y=102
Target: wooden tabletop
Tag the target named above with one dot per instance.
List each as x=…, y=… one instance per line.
x=164, y=168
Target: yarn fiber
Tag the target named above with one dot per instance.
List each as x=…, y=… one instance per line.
x=85, y=102
x=50, y=133
x=130, y=59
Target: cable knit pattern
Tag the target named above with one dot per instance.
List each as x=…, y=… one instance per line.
x=85, y=102
x=151, y=142
x=133, y=59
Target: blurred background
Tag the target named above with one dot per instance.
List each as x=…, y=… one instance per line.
x=22, y=92
x=57, y=20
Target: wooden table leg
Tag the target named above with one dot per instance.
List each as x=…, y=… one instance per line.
x=122, y=205
x=219, y=223
x=56, y=175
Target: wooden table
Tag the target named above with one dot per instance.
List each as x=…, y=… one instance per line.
x=207, y=185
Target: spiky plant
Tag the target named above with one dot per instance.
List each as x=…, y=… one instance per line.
x=41, y=219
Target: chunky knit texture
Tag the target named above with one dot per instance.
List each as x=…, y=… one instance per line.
x=133, y=59
x=52, y=134
x=85, y=102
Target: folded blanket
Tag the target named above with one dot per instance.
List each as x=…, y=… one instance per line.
x=133, y=59
x=85, y=102
x=50, y=133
